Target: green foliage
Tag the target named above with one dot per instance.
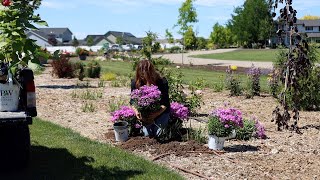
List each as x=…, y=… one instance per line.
x=62, y=67
x=221, y=36
x=101, y=83
x=93, y=69
x=17, y=19
x=176, y=93
x=198, y=135
x=121, y=81
x=108, y=76
x=251, y=22
x=88, y=107
x=308, y=93
x=198, y=84
x=149, y=45
x=114, y=103
x=171, y=132
x=82, y=51
x=169, y=36
x=175, y=49
x=79, y=70
x=75, y=42
x=201, y=43
x=248, y=130
x=187, y=15
x=215, y=127
x=87, y=95
x=190, y=40
x=90, y=41
x=233, y=83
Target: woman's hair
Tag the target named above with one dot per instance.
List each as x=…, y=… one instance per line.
x=146, y=73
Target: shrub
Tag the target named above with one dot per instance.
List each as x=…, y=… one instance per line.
x=232, y=82
x=174, y=49
x=108, y=76
x=81, y=51
x=93, y=69
x=254, y=74
x=79, y=70
x=62, y=67
x=247, y=131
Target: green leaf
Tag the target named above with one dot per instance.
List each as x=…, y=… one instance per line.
x=15, y=33
x=42, y=23
x=3, y=44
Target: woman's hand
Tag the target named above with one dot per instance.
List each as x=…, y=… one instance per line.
x=138, y=114
x=152, y=116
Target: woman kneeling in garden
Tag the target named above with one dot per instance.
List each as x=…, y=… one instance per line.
x=150, y=98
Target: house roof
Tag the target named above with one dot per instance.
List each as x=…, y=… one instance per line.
x=309, y=22
x=54, y=30
x=127, y=37
x=39, y=34
x=96, y=38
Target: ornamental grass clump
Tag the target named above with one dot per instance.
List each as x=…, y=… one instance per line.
x=146, y=99
x=126, y=113
x=223, y=121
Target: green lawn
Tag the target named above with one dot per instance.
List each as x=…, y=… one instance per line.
x=190, y=74
x=267, y=55
x=59, y=153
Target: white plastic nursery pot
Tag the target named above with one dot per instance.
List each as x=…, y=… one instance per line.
x=216, y=143
x=9, y=97
x=121, y=131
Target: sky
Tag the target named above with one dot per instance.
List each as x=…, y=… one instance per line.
x=93, y=17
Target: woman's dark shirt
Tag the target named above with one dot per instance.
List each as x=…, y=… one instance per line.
x=163, y=87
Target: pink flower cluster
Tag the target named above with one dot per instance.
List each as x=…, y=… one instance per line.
x=179, y=111
x=230, y=117
x=146, y=96
x=125, y=113
x=260, y=130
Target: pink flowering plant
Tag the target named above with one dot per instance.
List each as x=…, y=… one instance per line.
x=126, y=113
x=146, y=99
x=223, y=121
x=178, y=111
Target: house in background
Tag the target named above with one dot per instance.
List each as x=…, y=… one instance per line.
x=63, y=36
x=125, y=37
x=311, y=28
x=40, y=38
x=98, y=40
x=166, y=45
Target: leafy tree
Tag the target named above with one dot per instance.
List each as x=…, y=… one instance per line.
x=201, y=43
x=75, y=42
x=149, y=45
x=169, y=36
x=221, y=36
x=252, y=22
x=90, y=41
x=17, y=18
x=190, y=39
x=187, y=15
x=310, y=17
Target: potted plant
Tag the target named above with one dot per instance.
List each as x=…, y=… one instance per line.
x=222, y=124
x=82, y=53
x=125, y=123
x=16, y=50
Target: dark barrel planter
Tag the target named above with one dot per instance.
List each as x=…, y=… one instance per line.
x=82, y=57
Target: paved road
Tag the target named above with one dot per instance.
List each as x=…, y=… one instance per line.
x=177, y=58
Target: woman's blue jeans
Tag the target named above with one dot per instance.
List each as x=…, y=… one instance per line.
x=154, y=129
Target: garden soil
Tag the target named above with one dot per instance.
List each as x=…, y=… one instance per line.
x=283, y=155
